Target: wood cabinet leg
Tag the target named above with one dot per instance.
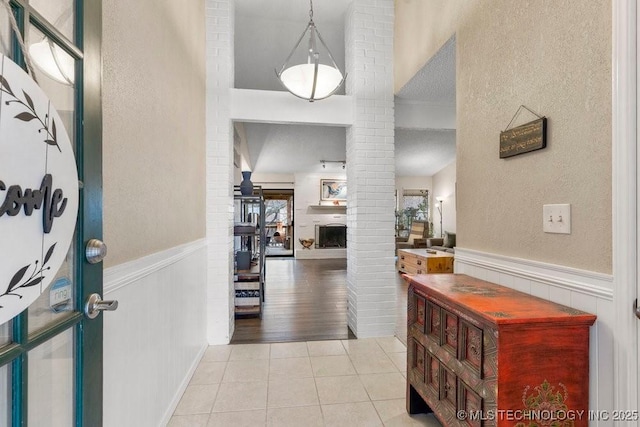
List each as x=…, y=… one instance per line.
x=415, y=403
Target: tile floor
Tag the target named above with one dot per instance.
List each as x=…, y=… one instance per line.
x=347, y=383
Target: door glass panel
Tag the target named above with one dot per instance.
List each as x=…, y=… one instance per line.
x=5, y=395
x=55, y=72
x=5, y=334
x=5, y=32
x=51, y=379
x=57, y=301
x=60, y=13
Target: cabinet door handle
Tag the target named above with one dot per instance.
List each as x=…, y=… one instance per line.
x=636, y=309
x=419, y=262
x=401, y=256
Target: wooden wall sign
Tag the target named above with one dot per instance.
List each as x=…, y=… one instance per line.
x=38, y=191
x=524, y=138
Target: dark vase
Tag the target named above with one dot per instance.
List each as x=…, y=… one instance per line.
x=246, y=186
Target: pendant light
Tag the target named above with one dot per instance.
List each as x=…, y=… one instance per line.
x=311, y=80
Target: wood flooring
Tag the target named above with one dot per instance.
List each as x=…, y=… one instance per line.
x=306, y=300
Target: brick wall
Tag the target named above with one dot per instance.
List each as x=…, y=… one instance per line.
x=220, y=72
x=371, y=168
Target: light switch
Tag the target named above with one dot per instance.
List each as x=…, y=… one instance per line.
x=556, y=218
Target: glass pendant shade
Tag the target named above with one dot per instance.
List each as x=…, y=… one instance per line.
x=52, y=60
x=311, y=80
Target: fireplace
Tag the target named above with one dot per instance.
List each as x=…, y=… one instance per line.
x=331, y=236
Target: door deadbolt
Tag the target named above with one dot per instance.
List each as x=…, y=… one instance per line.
x=95, y=305
x=95, y=251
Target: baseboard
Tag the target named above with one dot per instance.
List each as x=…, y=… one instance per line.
x=183, y=386
x=121, y=275
x=583, y=281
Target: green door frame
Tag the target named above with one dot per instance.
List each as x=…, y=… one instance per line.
x=87, y=333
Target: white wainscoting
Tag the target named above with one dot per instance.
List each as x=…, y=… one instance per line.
x=154, y=341
x=580, y=289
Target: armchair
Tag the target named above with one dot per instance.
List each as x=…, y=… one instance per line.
x=417, y=236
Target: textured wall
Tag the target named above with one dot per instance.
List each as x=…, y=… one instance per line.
x=444, y=185
x=556, y=59
x=154, y=128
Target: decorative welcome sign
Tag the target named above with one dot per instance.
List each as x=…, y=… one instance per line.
x=38, y=191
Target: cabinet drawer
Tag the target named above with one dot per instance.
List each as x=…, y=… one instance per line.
x=448, y=387
x=418, y=360
x=432, y=374
x=470, y=347
x=419, y=309
x=470, y=403
x=449, y=332
x=433, y=322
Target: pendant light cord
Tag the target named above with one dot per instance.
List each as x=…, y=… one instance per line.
x=23, y=47
x=311, y=10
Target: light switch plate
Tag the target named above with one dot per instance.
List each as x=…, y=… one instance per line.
x=556, y=218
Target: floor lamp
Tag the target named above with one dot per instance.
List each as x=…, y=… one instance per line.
x=439, y=206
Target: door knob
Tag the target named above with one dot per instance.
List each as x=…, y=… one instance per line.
x=95, y=305
x=95, y=251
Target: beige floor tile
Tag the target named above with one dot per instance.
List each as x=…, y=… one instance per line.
x=332, y=366
x=292, y=392
x=400, y=361
x=295, y=367
x=391, y=345
x=384, y=386
x=373, y=363
x=238, y=419
x=362, y=346
x=208, y=373
x=241, y=397
x=361, y=414
x=250, y=351
x=307, y=416
x=246, y=371
x=197, y=399
x=326, y=348
x=394, y=414
x=189, y=420
x=289, y=349
x=217, y=353
x=341, y=389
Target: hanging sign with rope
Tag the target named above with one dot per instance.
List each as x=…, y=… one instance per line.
x=38, y=190
x=524, y=138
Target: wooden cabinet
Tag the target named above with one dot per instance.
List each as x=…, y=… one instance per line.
x=419, y=261
x=480, y=354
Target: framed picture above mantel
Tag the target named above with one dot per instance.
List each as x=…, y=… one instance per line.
x=333, y=190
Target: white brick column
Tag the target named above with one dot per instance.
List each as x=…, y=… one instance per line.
x=220, y=62
x=371, y=169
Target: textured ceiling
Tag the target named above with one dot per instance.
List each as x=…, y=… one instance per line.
x=265, y=33
x=435, y=83
x=423, y=152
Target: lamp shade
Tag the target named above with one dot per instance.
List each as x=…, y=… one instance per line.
x=53, y=61
x=311, y=80
x=298, y=79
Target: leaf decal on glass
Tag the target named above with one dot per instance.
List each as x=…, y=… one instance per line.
x=53, y=130
x=50, y=142
x=29, y=100
x=49, y=253
x=33, y=282
x=16, y=278
x=25, y=117
x=3, y=82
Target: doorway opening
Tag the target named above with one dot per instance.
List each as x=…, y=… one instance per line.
x=278, y=218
